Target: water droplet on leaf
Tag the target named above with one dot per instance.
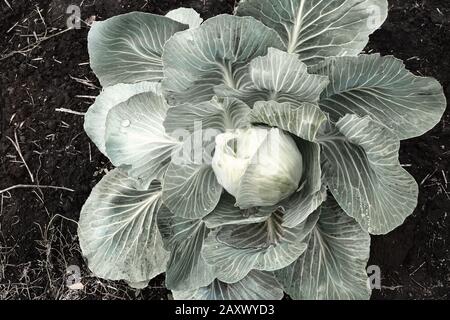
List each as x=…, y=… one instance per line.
x=125, y=123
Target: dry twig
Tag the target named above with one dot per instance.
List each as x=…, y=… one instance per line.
x=35, y=186
x=70, y=111
x=17, y=147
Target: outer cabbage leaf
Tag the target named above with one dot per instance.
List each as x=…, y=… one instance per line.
x=382, y=88
x=364, y=175
x=219, y=114
x=186, y=16
x=257, y=285
x=215, y=53
x=136, y=139
x=302, y=120
x=190, y=187
x=235, y=250
x=334, y=264
x=95, y=118
x=227, y=213
x=118, y=232
x=278, y=76
x=301, y=204
x=128, y=48
x=316, y=29
x=186, y=269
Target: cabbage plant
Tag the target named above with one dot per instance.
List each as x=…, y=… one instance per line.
x=255, y=153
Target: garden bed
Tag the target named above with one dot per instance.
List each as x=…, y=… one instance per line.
x=38, y=226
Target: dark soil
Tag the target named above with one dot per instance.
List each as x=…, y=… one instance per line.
x=37, y=226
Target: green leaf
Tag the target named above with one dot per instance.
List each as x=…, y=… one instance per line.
x=95, y=118
x=186, y=16
x=191, y=191
x=186, y=269
x=219, y=114
x=235, y=250
x=311, y=192
x=227, y=213
x=316, y=29
x=300, y=205
x=312, y=174
x=136, y=139
x=257, y=285
x=118, y=232
x=190, y=188
x=303, y=120
x=382, y=88
x=217, y=52
x=278, y=76
x=363, y=172
x=334, y=265
x=128, y=48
